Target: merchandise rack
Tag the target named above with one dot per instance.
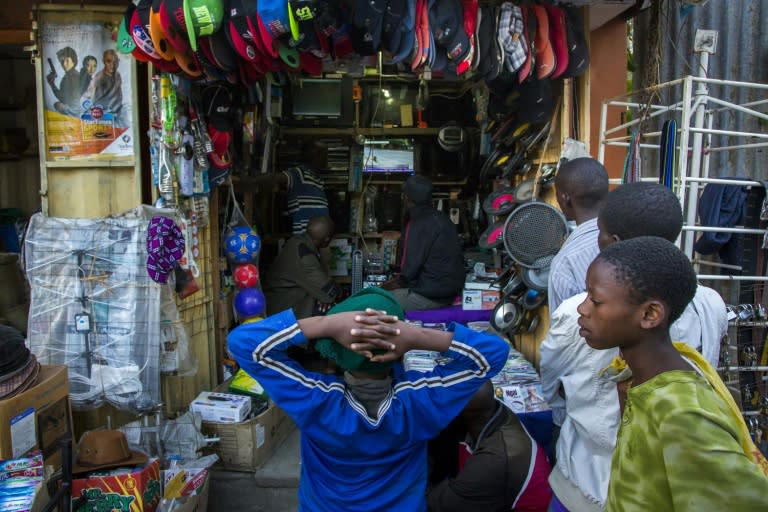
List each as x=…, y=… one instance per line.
x=696, y=109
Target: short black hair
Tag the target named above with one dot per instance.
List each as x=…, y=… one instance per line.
x=653, y=268
x=65, y=52
x=585, y=179
x=642, y=209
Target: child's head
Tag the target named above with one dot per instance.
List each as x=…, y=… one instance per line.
x=371, y=297
x=635, y=286
x=580, y=183
x=639, y=209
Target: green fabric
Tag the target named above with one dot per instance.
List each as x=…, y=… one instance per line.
x=371, y=297
x=678, y=449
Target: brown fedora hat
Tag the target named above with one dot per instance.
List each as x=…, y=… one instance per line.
x=104, y=449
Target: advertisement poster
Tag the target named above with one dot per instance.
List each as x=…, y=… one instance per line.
x=87, y=94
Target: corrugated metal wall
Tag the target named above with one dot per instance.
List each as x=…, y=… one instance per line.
x=742, y=54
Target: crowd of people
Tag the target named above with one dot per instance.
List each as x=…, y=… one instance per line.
x=643, y=421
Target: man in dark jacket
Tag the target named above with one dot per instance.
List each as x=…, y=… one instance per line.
x=298, y=279
x=431, y=261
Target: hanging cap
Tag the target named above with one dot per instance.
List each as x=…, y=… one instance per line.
x=125, y=43
x=173, y=24
x=202, y=18
x=156, y=33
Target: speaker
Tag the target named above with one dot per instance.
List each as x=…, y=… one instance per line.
x=389, y=211
x=338, y=207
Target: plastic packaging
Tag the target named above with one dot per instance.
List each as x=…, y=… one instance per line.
x=94, y=308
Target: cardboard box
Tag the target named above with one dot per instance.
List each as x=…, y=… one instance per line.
x=38, y=418
x=138, y=491
x=247, y=445
x=196, y=503
x=221, y=407
x=479, y=299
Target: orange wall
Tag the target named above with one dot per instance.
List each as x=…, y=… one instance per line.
x=607, y=78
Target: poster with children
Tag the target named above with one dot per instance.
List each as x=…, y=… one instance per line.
x=87, y=97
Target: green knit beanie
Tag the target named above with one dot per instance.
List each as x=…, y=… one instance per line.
x=371, y=297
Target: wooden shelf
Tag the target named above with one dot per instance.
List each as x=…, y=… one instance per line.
x=311, y=131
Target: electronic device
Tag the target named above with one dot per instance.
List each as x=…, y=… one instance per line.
x=389, y=156
x=319, y=102
x=357, y=270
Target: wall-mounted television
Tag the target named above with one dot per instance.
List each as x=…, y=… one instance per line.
x=320, y=102
x=389, y=156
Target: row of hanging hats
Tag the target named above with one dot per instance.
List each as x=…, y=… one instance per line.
x=241, y=40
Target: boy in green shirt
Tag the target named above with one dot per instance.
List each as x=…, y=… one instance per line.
x=682, y=443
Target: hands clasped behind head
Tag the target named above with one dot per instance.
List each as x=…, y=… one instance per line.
x=377, y=330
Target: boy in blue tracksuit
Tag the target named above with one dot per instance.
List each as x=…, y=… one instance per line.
x=364, y=435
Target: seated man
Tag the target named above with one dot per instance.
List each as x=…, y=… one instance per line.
x=576, y=379
x=431, y=259
x=297, y=279
x=364, y=435
x=501, y=466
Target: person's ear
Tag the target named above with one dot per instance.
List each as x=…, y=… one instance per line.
x=654, y=314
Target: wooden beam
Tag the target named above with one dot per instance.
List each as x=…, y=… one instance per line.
x=15, y=36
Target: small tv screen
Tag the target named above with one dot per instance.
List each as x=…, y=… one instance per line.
x=319, y=98
x=388, y=156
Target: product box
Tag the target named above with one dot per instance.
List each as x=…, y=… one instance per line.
x=137, y=491
x=479, y=299
x=195, y=503
x=221, y=407
x=40, y=417
x=245, y=446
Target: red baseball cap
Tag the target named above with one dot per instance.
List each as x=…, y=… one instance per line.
x=156, y=33
x=141, y=38
x=270, y=45
x=172, y=22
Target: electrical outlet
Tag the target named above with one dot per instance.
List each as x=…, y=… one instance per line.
x=705, y=41
x=82, y=322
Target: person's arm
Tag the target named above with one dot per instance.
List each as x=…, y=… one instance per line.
x=416, y=253
x=561, y=286
x=434, y=398
x=314, y=277
x=706, y=467
x=558, y=357
x=481, y=485
x=260, y=348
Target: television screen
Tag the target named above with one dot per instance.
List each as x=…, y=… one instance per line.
x=317, y=98
x=388, y=156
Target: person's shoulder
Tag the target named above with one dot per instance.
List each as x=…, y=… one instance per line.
x=705, y=293
x=677, y=393
x=567, y=308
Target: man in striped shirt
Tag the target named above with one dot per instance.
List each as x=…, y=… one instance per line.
x=581, y=187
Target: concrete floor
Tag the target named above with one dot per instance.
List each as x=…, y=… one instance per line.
x=272, y=488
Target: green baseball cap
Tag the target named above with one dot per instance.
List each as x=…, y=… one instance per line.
x=202, y=18
x=371, y=297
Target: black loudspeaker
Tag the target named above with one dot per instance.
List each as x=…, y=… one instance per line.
x=389, y=211
x=338, y=207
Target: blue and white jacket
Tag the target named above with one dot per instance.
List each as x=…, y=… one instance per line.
x=350, y=461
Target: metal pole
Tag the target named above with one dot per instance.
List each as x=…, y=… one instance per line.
x=682, y=166
x=707, y=146
x=603, y=122
x=695, y=171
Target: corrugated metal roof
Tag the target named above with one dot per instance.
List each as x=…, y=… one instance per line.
x=742, y=54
